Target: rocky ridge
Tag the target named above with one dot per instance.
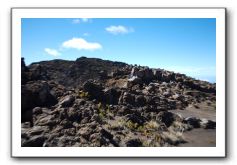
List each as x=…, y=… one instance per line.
x=93, y=102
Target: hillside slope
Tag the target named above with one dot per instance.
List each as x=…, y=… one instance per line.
x=94, y=102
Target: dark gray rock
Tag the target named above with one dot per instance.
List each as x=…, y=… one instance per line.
x=94, y=90
x=74, y=114
x=35, y=141
x=35, y=94
x=85, y=132
x=80, y=101
x=106, y=134
x=111, y=96
x=140, y=100
x=193, y=121
x=37, y=110
x=128, y=98
x=166, y=117
x=67, y=101
x=207, y=124
x=134, y=143
x=136, y=118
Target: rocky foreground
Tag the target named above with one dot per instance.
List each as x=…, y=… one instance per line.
x=93, y=102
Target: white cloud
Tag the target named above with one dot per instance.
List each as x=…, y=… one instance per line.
x=190, y=70
x=202, y=73
x=81, y=20
x=85, y=20
x=86, y=34
x=205, y=73
x=81, y=44
x=76, y=21
x=52, y=52
x=119, y=29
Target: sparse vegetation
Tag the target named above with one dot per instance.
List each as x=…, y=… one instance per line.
x=83, y=94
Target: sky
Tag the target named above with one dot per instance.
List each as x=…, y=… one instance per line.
x=184, y=45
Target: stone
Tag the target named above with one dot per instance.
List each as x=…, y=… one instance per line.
x=106, y=134
x=157, y=74
x=166, y=117
x=140, y=100
x=148, y=74
x=134, y=80
x=111, y=96
x=46, y=120
x=193, y=121
x=207, y=124
x=80, y=101
x=35, y=94
x=74, y=115
x=85, y=120
x=128, y=98
x=66, y=124
x=35, y=141
x=67, y=101
x=37, y=110
x=167, y=94
x=94, y=90
x=37, y=130
x=136, y=118
x=134, y=143
x=25, y=125
x=77, y=104
x=124, y=110
x=85, y=132
x=133, y=71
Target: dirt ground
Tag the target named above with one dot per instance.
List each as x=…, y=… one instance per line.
x=199, y=137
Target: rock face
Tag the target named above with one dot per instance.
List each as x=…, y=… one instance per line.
x=93, y=102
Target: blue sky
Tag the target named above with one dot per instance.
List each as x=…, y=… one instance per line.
x=179, y=44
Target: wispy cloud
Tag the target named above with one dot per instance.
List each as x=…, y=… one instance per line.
x=119, y=29
x=203, y=73
x=85, y=19
x=193, y=70
x=86, y=34
x=81, y=20
x=76, y=21
x=81, y=44
x=52, y=52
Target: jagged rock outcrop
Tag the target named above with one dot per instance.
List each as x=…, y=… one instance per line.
x=93, y=102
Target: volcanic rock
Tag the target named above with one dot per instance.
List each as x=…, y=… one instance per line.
x=95, y=103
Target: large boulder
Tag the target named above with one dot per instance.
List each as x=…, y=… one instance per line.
x=207, y=124
x=157, y=73
x=127, y=98
x=136, y=118
x=35, y=94
x=94, y=90
x=167, y=76
x=193, y=121
x=34, y=141
x=111, y=96
x=37, y=72
x=134, y=80
x=166, y=117
x=144, y=73
x=148, y=74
